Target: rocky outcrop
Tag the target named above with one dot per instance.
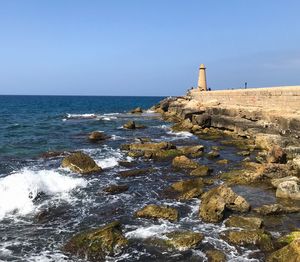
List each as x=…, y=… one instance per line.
x=96, y=244
x=216, y=201
x=80, y=163
x=290, y=252
x=250, y=237
x=244, y=222
x=183, y=162
x=276, y=209
x=156, y=212
x=97, y=136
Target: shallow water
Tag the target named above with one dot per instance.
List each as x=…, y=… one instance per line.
x=71, y=203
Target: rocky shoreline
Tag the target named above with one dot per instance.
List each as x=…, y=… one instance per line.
x=275, y=166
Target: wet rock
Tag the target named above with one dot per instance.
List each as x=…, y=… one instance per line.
x=80, y=163
x=244, y=153
x=135, y=153
x=276, y=181
x=184, y=240
x=136, y=172
x=184, y=163
x=133, y=125
x=287, y=239
x=244, y=222
x=240, y=143
x=216, y=201
x=223, y=162
x=276, y=209
x=185, y=125
x=289, y=253
x=156, y=212
x=97, y=136
x=150, y=146
x=276, y=155
x=201, y=171
x=49, y=214
x=162, y=154
x=193, y=151
x=126, y=164
x=137, y=110
x=288, y=189
x=213, y=154
x=55, y=154
x=250, y=237
x=115, y=189
x=96, y=244
x=215, y=255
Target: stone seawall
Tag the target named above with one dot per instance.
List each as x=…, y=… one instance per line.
x=273, y=98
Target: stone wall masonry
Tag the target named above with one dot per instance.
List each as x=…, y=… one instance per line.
x=286, y=98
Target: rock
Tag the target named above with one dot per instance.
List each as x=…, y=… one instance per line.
x=137, y=110
x=244, y=222
x=188, y=184
x=185, y=125
x=276, y=155
x=278, y=171
x=115, y=189
x=289, y=253
x=203, y=120
x=287, y=239
x=240, y=143
x=244, y=153
x=276, y=181
x=276, y=209
x=136, y=172
x=250, y=237
x=213, y=154
x=135, y=153
x=193, y=151
x=216, y=201
x=184, y=240
x=184, y=163
x=162, y=154
x=288, y=189
x=157, y=212
x=201, y=171
x=80, y=163
x=129, y=125
x=215, y=255
x=223, y=162
x=150, y=146
x=55, y=154
x=126, y=163
x=96, y=244
x=97, y=136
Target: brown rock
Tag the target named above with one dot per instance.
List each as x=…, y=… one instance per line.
x=276, y=209
x=288, y=189
x=136, y=172
x=115, y=189
x=201, y=171
x=276, y=155
x=244, y=222
x=80, y=163
x=184, y=240
x=137, y=110
x=289, y=253
x=97, y=136
x=215, y=255
x=156, y=212
x=184, y=163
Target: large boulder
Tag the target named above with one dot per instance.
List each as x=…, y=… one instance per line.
x=184, y=163
x=288, y=189
x=276, y=209
x=80, y=163
x=250, y=237
x=216, y=201
x=183, y=240
x=290, y=253
x=244, y=222
x=157, y=212
x=97, y=136
x=96, y=244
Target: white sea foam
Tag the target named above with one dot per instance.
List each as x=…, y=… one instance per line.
x=81, y=116
x=18, y=190
x=181, y=134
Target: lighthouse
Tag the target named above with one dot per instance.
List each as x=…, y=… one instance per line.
x=202, y=85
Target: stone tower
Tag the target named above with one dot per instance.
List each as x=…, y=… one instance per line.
x=202, y=78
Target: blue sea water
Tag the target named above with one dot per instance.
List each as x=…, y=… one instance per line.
x=42, y=204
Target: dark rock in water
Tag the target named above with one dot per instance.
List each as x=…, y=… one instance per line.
x=156, y=212
x=133, y=125
x=276, y=209
x=54, y=154
x=193, y=151
x=97, y=136
x=215, y=255
x=250, y=237
x=244, y=222
x=276, y=155
x=80, y=163
x=223, y=162
x=244, y=153
x=201, y=171
x=126, y=164
x=96, y=244
x=116, y=189
x=137, y=110
x=184, y=163
x=290, y=253
x=136, y=172
x=213, y=154
x=216, y=201
x=50, y=214
x=151, y=146
x=183, y=240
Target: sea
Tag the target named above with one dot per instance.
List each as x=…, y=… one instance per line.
x=42, y=204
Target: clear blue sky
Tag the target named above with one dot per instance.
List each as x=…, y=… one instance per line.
x=146, y=47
